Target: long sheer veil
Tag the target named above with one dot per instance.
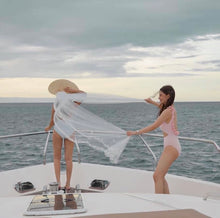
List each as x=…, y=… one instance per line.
x=74, y=122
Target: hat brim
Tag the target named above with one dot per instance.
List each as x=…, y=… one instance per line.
x=60, y=84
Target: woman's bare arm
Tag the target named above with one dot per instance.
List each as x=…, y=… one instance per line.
x=51, y=124
x=166, y=115
x=150, y=101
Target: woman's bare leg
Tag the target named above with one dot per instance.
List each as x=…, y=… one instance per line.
x=57, y=146
x=68, y=158
x=166, y=187
x=168, y=156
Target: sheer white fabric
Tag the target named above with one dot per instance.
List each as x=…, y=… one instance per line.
x=74, y=122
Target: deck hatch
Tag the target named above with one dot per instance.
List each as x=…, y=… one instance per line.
x=55, y=204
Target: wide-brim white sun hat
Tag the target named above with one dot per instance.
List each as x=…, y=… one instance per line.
x=60, y=84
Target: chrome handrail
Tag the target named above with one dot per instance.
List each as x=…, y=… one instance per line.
x=189, y=139
x=24, y=134
x=112, y=132
x=107, y=132
x=46, y=143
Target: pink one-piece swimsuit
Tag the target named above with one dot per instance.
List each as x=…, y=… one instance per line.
x=171, y=139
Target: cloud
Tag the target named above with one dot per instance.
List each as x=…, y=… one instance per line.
x=109, y=23
x=139, y=44
x=108, y=39
x=175, y=60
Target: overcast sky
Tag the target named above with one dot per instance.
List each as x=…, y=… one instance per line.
x=122, y=47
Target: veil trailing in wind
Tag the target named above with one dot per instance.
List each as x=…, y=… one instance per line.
x=77, y=124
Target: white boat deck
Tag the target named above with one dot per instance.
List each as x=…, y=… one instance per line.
x=121, y=180
x=130, y=191
x=117, y=203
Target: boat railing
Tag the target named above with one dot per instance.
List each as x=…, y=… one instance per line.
x=108, y=132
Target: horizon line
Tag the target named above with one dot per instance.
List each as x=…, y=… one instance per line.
x=50, y=100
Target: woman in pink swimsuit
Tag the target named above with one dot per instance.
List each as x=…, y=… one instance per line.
x=168, y=123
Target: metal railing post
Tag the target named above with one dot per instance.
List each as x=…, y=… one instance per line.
x=45, y=148
x=149, y=149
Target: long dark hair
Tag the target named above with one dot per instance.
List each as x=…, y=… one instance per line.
x=168, y=90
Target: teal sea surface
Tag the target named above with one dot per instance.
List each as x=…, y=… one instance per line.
x=195, y=119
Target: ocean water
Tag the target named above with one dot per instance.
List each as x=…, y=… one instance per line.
x=199, y=120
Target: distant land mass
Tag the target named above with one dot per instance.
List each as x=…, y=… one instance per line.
x=91, y=98
x=26, y=100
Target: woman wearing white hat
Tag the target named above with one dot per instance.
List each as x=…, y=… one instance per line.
x=61, y=87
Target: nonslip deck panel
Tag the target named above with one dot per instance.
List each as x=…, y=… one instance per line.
x=185, y=213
